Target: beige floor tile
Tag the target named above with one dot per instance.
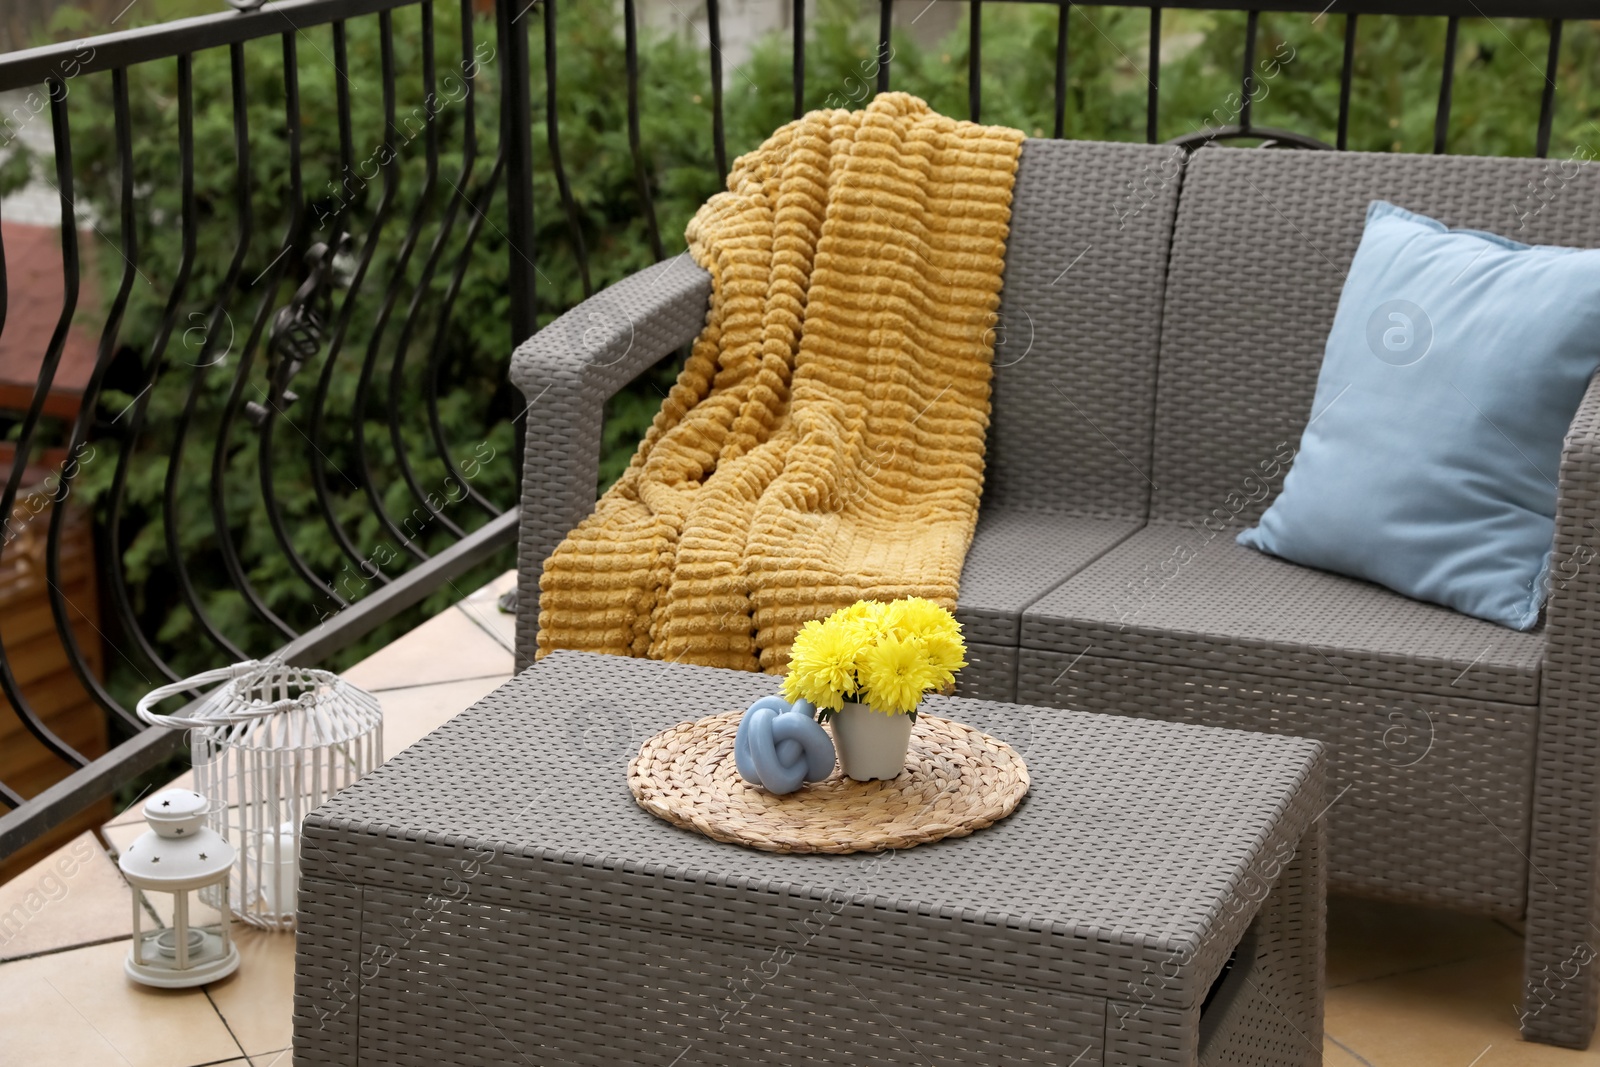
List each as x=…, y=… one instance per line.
x=128, y=816
x=283, y=1057
x=78, y=1007
x=1455, y=1015
x=73, y=897
x=449, y=647
x=411, y=714
x=1336, y=1055
x=1374, y=939
x=257, y=1000
x=483, y=607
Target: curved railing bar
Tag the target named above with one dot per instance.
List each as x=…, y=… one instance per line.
x=141, y=402
x=264, y=450
x=391, y=292
x=59, y=606
x=553, y=138
x=641, y=178
x=430, y=264
x=180, y=432
x=47, y=373
x=1270, y=136
x=436, y=351
x=369, y=248
x=275, y=518
x=10, y=797
x=274, y=273
x=480, y=208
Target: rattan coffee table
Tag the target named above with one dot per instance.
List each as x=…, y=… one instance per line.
x=493, y=895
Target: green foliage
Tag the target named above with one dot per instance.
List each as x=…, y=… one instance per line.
x=1498, y=82
x=206, y=325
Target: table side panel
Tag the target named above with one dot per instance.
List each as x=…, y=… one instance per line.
x=483, y=984
x=327, y=965
x=1267, y=1010
x=1278, y=1022
x=1088, y=962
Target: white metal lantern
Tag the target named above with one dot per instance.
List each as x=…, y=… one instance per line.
x=269, y=745
x=179, y=855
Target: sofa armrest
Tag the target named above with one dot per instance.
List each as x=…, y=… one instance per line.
x=1559, y=1000
x=567, y=371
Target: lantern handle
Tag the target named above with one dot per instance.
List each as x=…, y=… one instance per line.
x=221, y=706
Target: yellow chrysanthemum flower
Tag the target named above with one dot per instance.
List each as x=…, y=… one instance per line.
x=822, y=664
x=917, y=617
x=884, y=655
x=868, y=612
x=937, y=629
x=946, y=650
x=895, y=673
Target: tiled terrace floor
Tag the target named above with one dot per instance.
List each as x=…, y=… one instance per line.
x=1409, y=987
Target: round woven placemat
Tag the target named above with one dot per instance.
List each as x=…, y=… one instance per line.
x=957, y=780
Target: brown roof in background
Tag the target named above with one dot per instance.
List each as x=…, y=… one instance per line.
x=34, y=290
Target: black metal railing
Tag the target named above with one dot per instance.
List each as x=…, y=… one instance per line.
x=355, y=299
x=346, y=297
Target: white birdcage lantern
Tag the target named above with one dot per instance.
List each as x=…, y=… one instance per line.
x=177, y=856
x=269, y=745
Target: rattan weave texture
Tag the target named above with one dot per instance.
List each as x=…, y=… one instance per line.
x=1406, y=823
x=957, y=780
x=1182, y=596
x=1565, y=841
x=506, y=895
x=1074, y=374
x=990, y=673
x=1259, y=254
x=1080, y=318
x=1016, y=557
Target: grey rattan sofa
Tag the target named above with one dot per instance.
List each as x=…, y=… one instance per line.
x=1162, y=330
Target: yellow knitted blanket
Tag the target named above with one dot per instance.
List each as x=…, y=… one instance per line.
x=824, y=442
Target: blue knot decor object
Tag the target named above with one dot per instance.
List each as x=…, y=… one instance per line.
x=780, y=746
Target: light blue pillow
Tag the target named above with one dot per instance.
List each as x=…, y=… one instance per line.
x=1456, y=362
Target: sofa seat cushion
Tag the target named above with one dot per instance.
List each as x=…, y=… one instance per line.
x=1187, y=595
x=1018, y=556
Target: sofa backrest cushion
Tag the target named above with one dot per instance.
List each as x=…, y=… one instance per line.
x=1259, y=255
x=1079, y=329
